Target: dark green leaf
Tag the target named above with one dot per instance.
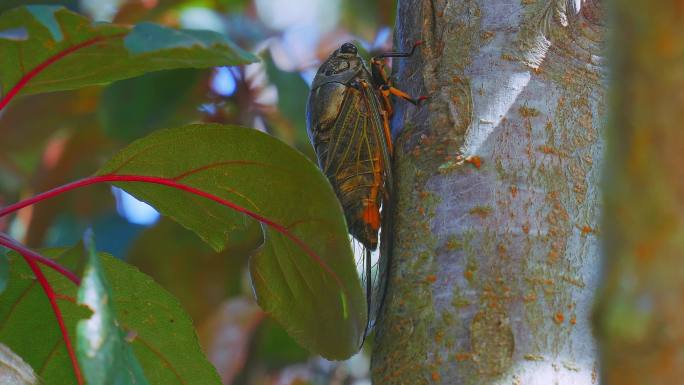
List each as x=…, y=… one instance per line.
x=292, y=95
x=103, y=353
x=4, y=272
x=312, y=287
x=163, y=336
x=79, y=53
x=274, y=348
x=132, y=108
x=187, y=267
x=9, y=4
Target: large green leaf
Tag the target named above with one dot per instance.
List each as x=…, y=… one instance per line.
x=65, y=50
x=304, y=275
x=162, y=334
x=103, y=353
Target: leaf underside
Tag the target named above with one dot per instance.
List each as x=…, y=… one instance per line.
x=315, y=295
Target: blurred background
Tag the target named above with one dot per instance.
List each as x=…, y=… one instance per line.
x=52, y=139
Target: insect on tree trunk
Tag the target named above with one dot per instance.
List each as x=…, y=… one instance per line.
x=496, y=248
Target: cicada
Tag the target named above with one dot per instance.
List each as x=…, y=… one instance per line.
x=348, y=115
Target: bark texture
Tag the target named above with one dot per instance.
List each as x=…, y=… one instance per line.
x=640, y=319
x=496, y=250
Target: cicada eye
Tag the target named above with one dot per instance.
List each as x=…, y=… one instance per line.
x=348, y=48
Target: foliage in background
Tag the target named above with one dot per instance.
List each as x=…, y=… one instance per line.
x=76, y=131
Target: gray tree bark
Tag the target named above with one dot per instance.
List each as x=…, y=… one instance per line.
x=496, y=249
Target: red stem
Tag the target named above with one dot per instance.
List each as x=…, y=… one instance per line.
x=23, y=250
x=4, y=101
x=172, y=183
x=49, y=291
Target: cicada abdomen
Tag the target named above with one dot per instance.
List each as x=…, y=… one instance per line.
x=348, y=125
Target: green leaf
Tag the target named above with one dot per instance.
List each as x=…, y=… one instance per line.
x=163, y=336
x=304, y=275
x=102, y=350
x=4, y=272
x=65, y=50
x=132, y=108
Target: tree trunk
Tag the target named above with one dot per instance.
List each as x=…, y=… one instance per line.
x=496, y=249
x=640, y=317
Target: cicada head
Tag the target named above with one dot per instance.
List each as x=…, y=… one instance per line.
x=341, y=67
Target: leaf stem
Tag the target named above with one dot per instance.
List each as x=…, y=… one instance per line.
x=21, y=249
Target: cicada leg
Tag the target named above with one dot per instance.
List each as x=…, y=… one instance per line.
x=384, y=83
x=378, y=66
x=386, y=90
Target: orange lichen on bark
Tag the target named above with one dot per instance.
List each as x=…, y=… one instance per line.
x=435, y=376
x=530, y=297
x=486, y=35
x=552, y=256
x=453, y=244
x=431, y=278
x=460, y=357
x=558, y=318
x=550, y=150
x=508, y=57
x=501, y=250
x=528, y=112
x=474, y=160
x=481, y=211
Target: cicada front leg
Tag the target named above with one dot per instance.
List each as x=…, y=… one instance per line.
x=384, y=83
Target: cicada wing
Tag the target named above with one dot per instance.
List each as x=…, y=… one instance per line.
x=378, y=269
x=347, y=148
